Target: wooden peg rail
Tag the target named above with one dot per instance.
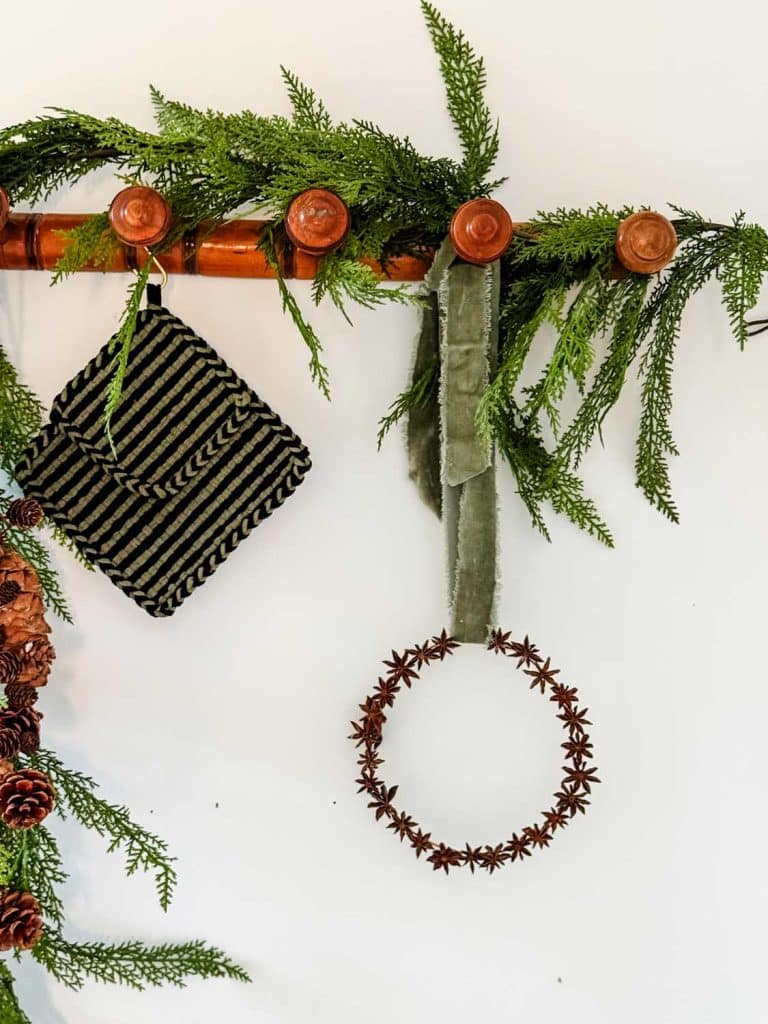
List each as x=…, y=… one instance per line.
x=33, y=241
x=481, y=231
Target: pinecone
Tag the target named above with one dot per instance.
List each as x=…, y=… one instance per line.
x=21, y=922
x=25, y=513
x=9, y=743
x=36, y=657
x=25, y=723
x=9, y=591
x=10, y=667
x=24, y=617
x=26, y=798
x=20, y=695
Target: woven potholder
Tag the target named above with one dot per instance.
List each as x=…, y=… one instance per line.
x=201, y=460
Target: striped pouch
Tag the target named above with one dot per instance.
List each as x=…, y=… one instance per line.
x=201, y=461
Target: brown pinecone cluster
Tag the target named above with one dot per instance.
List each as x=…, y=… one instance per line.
x=26, y=795
x=21, y=922
x=571, y=798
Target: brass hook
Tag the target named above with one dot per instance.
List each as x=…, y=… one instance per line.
x=158, y=264
x=160, y=267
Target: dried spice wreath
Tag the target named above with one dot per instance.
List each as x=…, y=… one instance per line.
x=578, y=778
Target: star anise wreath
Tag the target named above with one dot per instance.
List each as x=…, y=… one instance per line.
x=578, y=775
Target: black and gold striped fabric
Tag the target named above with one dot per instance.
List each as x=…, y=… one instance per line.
x=201, y=460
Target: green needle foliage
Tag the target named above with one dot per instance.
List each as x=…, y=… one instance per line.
x=30, y=860
x=21, y=417
x=132, y=963
x=77, y=796
x=559, y=273
x=10, y=1011
x=211, y=165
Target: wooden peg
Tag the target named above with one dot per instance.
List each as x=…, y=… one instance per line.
x=5, y=208
x=317, y=221
x=481, y=231
x=646, y=242
x=140, y=216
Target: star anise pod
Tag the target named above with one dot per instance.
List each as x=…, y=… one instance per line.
x=420, y=654
x=574, y=718
x=403, y=825
x=564, y=694
x=421, y=842
x=401, y=668
x=518, y=847
x=494, y=857
x=543, y=676
x=445, y=857
x=538, y=836
x=526, y=652
x=580, y=776
x=367, y=784
x=373, y=714
x=578, y=748
x=470, y=856
x=364, y=735
x=555, y=818
x=370, y=761
x=383, y=802
x=442, y=645
x=386, y=692
x=499, y=642
x=572, y=800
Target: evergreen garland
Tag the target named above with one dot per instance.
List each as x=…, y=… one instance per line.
x=30, y=860
x=212, y=166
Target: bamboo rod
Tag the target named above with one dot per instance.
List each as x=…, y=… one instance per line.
x=646, y=242
x=34, y=241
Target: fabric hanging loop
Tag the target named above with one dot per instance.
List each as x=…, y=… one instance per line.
x=460, y=332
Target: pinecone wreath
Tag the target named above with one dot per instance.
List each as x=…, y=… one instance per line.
x=26, y=798
x=21, y=922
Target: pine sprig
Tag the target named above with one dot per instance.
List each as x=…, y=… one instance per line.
x=465, y=79
x=92, y=243
x=308, y=110
x=132, y=963
x=31, y=548
x=21, y=415
x=35, y=865
x=121, y=343
x=143, y=850
x=417, y=395
x=10, y=1010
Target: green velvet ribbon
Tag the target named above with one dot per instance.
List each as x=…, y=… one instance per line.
x=449, y=463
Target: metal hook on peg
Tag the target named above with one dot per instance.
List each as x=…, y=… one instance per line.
x=481, y=230
x=317, y=221
x=646, y=242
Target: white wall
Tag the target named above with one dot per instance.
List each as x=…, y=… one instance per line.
x=224, y=728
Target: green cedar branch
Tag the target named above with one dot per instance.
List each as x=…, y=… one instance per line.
x=76, y=796
x=132, y=963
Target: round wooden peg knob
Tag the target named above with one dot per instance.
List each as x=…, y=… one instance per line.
x=317, y=221
x=646, y=242
x=140, y=216
x=481, y=231
x=5, y=208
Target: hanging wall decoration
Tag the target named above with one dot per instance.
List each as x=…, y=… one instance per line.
x=361, y=213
